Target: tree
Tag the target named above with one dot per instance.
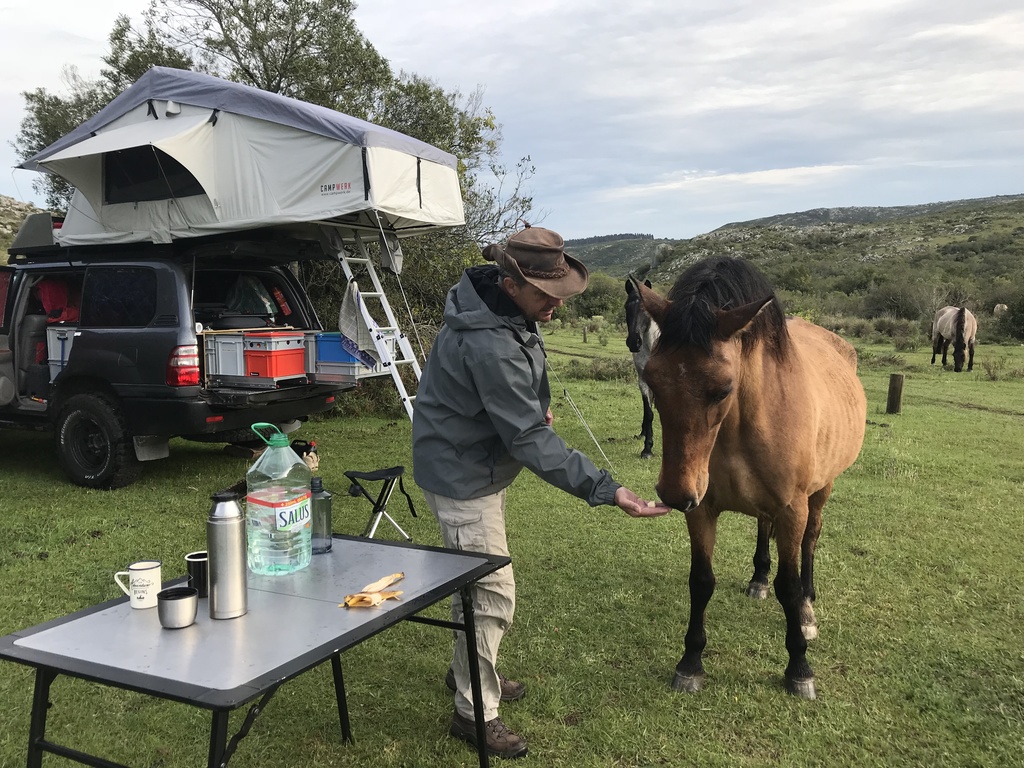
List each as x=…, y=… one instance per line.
x=312, y=50
x=48, y=117
x=307, y=49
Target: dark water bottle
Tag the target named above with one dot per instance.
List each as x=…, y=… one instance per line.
x=323, y=528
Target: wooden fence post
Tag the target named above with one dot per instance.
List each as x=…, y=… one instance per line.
x=895, y=401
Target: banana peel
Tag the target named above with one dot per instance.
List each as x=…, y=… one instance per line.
x=374, y=593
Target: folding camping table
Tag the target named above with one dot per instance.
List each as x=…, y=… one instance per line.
x=294, y=623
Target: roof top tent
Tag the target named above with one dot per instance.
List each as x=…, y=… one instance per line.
x=181, y=154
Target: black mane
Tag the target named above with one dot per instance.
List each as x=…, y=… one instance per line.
x=722, y=283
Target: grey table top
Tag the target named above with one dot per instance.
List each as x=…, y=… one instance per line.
x=293, y=623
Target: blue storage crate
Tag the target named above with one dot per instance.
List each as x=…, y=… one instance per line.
x=329, y=349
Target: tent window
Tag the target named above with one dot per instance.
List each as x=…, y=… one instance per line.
x=145, y=173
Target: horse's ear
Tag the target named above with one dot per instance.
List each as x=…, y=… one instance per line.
x=732, y=321
x=648, y=283
x=655, y=304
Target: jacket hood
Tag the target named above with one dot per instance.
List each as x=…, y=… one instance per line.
x=477, y=302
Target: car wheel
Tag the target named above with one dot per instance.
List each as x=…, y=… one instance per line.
x=93, y=444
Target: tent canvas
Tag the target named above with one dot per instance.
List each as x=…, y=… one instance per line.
x=181, y=154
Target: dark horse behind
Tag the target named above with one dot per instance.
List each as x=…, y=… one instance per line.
x=641, y=334
x=759, y=415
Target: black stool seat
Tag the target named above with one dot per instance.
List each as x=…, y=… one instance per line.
x=391, y=476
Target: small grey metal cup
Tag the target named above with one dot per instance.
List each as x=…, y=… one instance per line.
x=177, y=607
x=197, y=564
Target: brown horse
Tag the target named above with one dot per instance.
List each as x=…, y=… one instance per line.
x=957, y=325
x=759, y=415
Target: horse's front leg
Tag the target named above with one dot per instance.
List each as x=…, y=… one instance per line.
x=815, y=504
x=647, y=429
x=945, y=349
x=789, y=590
x=758, y=586
x=701, y=523
x=970, y=359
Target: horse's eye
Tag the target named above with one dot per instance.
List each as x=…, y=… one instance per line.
x=718, y=395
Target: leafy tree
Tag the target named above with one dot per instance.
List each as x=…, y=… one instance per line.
x=312, y=50
x=48, y=117
x=307, y=49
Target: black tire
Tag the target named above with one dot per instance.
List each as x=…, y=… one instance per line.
x=93, y=444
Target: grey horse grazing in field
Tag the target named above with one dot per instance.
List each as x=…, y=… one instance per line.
x=959, y=326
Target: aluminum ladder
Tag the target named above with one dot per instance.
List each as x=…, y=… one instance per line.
x=392, y=346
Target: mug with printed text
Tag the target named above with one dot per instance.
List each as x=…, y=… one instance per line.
x=143, y=583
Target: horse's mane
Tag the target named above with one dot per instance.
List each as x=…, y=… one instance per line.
x=961, y=319
x=722, y=283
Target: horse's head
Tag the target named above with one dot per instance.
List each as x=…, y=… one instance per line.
x=637, y=320
x=709, y=326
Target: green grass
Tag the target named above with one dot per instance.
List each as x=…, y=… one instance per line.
x=920, y=661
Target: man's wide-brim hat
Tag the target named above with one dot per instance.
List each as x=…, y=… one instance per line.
x=538, y=256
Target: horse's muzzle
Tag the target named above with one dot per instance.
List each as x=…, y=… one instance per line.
x=683, y=503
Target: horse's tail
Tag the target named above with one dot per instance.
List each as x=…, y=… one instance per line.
x=961, y=320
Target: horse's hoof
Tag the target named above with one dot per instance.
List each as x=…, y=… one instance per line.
x=647, y=455
x=687, y=683
x=809, y=631
x=757, y=591
x=802, y=688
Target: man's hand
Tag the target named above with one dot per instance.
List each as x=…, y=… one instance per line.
x=549, y=418
x=634, y=506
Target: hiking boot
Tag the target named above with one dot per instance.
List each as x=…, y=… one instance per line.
x=511, y=690
x=501, y=740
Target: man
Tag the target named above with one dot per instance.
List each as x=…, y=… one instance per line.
x=482, y=414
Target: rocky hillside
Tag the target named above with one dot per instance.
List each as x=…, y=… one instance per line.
x=12, y=213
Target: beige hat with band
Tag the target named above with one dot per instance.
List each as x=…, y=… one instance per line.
x=537, y=255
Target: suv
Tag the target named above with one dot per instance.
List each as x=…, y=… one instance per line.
x=115, y=347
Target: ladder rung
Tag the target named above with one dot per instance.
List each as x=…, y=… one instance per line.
x=356, y=259
x=370, y=294
x=386, y=328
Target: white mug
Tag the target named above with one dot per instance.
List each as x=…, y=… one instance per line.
x=143, y=583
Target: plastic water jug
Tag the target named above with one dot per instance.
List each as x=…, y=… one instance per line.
x=277, y=507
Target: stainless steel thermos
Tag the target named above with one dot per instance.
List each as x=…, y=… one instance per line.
x=225, y=543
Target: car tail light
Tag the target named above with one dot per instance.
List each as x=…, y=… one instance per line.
x=183, y=366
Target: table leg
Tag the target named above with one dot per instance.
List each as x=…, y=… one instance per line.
x=474, y=674
x=218, y=739
x=339, y=692
x=40, y=705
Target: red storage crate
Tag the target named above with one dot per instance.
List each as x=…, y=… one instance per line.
x=275, y=354
x=279, y=364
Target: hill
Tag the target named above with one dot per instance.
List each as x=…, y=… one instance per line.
x=901, y=261
x=12, y=213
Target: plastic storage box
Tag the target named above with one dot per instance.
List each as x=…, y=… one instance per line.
x=333, y=362
x=59, y=339
x=224, y=353
x=275, y=354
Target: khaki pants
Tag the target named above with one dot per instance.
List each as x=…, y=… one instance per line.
x=478, y=525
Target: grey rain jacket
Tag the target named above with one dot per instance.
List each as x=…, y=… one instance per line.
x=481, y=402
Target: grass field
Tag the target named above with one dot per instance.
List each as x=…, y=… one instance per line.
x=920, y=661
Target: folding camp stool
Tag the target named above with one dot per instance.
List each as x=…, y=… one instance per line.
x=391, y=476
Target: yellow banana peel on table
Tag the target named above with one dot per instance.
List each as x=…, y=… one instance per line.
x=373, y=594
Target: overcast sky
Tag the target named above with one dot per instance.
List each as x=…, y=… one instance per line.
x=672, y=117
